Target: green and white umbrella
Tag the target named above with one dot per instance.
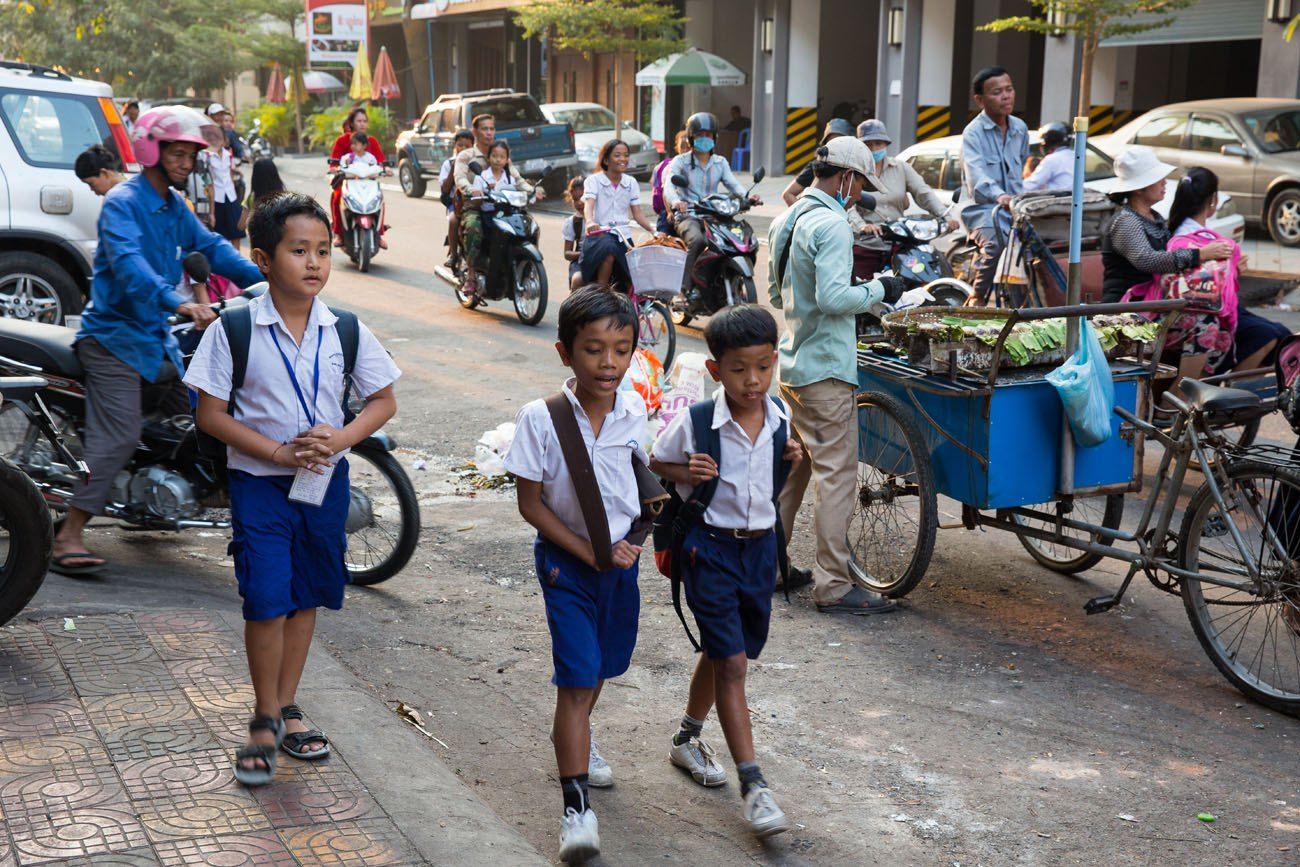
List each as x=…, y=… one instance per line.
x=691, y=67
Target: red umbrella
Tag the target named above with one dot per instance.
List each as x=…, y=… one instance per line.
x=275, y=87
x=384, y=85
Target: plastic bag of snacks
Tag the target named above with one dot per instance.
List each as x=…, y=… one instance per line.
x=645, y=376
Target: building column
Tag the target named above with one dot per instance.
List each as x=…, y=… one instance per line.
x=771, y=56
x=899, y=65
x=1062, y=60
x=1279, y=64
x=934, y=89
x=801, y=131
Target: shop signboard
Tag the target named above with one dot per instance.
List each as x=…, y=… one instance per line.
x=336, y=29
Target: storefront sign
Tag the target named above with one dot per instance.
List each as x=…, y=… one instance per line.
x=335, y=30
x=435, y=8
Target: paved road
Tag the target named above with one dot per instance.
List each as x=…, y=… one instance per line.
x=989, y=721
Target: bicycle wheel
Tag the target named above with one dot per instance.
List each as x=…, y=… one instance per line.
x=656, y=332
x=1251, y=634
x=1102, y=511
x=891, y=530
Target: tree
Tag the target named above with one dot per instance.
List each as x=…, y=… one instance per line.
x=646, y=28
x=287, y=50
x=1091, y=21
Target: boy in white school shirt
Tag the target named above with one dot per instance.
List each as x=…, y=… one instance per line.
x=287, y=421
x=592, y=613
x=730, y=555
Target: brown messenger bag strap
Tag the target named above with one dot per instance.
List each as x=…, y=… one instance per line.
x=583, y=474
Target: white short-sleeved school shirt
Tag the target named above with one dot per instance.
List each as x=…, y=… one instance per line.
x=743, y=498
x=535, y=455
x=267, y=401
x=613, y=202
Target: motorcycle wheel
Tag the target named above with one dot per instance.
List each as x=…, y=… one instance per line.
x=383, y=516
x=681, y=311
x=469, y=302
x=740, y=289
x=365, y=249
x=26, y=540
x=530, y=291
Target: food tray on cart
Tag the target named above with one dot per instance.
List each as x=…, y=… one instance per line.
x=933, y=337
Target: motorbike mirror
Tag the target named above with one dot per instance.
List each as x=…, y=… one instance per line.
x=333, y=162
x=546, y=170
x=476, y=167
x=196, y=265
x=866, y=201
x=760, y=174
x=679, y=181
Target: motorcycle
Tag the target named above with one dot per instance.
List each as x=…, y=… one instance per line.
x=724, y=270
x=510, y=261
x=927, y=278
x=26, y=532
x=362, y=210
x=171, y=483
x=258, y=146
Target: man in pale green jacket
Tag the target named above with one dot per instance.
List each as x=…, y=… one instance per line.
x=810, y=270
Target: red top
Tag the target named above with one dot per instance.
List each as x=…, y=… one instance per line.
x=343, y=145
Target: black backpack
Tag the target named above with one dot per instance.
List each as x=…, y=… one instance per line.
x=679, y=516
x=238, y=325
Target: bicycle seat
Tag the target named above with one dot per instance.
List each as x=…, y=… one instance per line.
x=1214, y=398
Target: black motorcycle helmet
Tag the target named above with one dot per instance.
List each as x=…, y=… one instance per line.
x=836, y=126
x=1054, y=135
x=701, y=121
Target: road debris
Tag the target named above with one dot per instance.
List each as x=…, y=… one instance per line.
x=412, y=716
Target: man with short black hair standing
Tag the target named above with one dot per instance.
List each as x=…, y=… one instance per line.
x=994, y=147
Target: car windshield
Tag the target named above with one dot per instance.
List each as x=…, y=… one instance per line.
x=510, y=111
x=1275, y=131
x=594, y=119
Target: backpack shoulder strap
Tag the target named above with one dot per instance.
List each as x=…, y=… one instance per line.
x=784, y=259
x=585, y=485
x=780, y=472
x=349, y=331
x=238, y=325
x=706, y=442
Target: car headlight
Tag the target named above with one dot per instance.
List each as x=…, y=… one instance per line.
x=923, y=230
x=1227, y=208
x=587, y=152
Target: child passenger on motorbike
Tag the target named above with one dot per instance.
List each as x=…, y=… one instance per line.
x=360, y=154
x=608, y=198
x=499, y=175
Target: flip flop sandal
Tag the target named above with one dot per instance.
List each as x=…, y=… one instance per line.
x=264, y=753
x=851, y=603
x=294, y=742
x=59, y=564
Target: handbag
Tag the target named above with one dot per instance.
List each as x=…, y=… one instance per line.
x=585, y=485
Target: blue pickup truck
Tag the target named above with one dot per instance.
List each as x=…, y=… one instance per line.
x=535, y=143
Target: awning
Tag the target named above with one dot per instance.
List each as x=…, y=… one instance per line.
x=1206, y=21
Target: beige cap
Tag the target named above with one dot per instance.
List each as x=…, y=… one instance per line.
x=847, y=152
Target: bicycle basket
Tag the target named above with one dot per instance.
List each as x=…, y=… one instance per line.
x=657, y=271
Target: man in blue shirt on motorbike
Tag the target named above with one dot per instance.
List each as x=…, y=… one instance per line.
x=145, y=230
x=704, y=171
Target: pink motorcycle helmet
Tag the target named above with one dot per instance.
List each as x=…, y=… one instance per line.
x=167, y=123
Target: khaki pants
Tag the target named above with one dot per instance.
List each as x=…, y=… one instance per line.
x=822, y=415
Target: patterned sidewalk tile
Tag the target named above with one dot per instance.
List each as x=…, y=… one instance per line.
x=221, y=698
x=137, y=743
x=109, y=677
x=22, y=720
x=368, y=843
x=60, y=788
x=263, y=849
x=163, y=622
x=203, y=815
x=116, y=628
x=131, y=709
x=315, y=793
x=22, y=756
x=131, y=858
x=33, y=685
x=197, y=772
x=195, y=645
x=75, y=833
x=203, y=673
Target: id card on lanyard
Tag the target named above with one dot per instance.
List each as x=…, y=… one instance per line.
x=309, y=486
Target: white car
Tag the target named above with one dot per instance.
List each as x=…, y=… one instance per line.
x=48, y=217
x=938, y=162
x=593, y=125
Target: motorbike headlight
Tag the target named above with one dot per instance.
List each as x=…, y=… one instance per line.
x=726, y=207
x=515, y=198
x=923, y=230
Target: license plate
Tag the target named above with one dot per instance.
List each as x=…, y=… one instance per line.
x=534, y=166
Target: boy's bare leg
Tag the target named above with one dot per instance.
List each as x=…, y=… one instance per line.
x=453, y=236
x=571, y=730
x=699, y=701
x=264, y=644
x=733, y=711
x=298, y=632
x=605, y=271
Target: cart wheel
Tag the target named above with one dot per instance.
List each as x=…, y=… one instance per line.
x=1249, y=629
x=1103, y=511
x=891, y=530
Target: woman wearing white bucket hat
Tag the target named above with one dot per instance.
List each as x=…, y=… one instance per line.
x=1136, y=242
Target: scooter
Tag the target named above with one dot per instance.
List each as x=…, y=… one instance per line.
x=510, y=262
x=26, y=531
x=927, y=279
x=362, y=210
x=173, y=482
x=258, y=145
x=724, y=270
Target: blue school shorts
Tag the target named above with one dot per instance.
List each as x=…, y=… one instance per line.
x=288, y=556
x=592, y=616
x=729, y=584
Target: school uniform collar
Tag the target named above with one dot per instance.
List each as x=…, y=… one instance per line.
x=266, y=314
x=622, y=406
x=603, y=180
x=772, y=418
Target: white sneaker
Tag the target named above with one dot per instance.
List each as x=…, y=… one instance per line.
x=696, y=757
x=763, y=815
x=579, y=836
x=599, y=775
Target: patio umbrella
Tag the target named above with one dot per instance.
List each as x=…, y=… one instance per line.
x=360, y=75
x=385, y=84
x=275, y=89
x=316, y=81
x=691, y=67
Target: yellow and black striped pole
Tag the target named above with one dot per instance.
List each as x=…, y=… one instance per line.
x=1101, y=118
x=800, y=137
x=933, y=121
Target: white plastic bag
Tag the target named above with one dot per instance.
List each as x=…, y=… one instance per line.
x=1084, y=383
x=688, y=383
x=490, y=451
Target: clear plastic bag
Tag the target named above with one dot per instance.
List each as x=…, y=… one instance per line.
x=1084, y=383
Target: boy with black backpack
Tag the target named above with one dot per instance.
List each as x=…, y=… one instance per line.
x=728, y=458
x=272, y=382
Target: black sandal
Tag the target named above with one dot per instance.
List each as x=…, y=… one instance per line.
x=265, y=753
x=293, y=742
